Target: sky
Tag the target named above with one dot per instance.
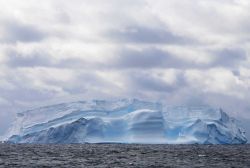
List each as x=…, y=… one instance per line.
x=180, y=52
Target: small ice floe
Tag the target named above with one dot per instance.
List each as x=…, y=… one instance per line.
x=200, y=155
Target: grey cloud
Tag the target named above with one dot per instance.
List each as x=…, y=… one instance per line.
x=229, y=57
x=152, y=57
x=236, y=72
x=25, y=92
x=147, y=30
x=76, y=63
x=145, y=81
x=40, y=58
x=17, y=31
x=186, y=95
x=147, y=58
x=15, y=59
x=81, y=84
x=147, y=35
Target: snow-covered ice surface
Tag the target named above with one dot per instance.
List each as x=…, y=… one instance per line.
x=125, y=121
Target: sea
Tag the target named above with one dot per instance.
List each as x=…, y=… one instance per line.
x=123, y=155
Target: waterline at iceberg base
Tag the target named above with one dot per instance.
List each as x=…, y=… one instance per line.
x=125, y=121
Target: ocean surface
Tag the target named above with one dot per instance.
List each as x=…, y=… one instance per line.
x=124, y=155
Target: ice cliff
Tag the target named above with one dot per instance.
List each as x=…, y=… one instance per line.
x=125, y=121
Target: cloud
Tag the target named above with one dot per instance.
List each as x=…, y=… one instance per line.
x=147, y=35
x=20, y=32
x=4, y=102
x=161, y=81
x=217, y=80
x=38, y=59
x=230, y=57
x=177, y=51
x=145, y=58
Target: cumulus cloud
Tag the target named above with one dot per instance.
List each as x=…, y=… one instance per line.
x=177, y=51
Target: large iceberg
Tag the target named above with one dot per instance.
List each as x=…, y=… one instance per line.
x=125, y=121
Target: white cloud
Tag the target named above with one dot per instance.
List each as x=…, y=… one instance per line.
x=210, y=21
x=221, y=81
x=178, y=51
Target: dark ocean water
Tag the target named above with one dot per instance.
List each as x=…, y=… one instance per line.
x=121, y=155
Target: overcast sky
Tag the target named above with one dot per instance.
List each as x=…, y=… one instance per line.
x=185, y=52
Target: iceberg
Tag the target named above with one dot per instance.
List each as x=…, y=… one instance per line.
x=125, y=121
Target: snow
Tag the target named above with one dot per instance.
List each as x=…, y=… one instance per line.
x=125, y=121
